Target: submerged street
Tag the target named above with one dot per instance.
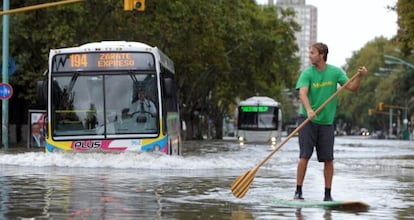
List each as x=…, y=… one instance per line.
x=36, y=185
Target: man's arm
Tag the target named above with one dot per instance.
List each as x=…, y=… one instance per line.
x=303, y=96
x=354, y=85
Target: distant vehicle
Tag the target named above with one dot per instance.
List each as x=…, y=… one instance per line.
x=259, y=121
x=364, y=132
x=111, y=96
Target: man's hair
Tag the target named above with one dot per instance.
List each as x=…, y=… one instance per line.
x=322, y=49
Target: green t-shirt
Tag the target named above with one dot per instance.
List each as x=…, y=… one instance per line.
x=321, y=85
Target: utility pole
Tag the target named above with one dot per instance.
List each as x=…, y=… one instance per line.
x=5, y=78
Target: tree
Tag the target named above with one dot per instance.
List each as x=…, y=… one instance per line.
x=405, y=11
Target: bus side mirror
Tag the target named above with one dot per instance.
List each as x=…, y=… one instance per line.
x=42, y=92
x=168, y=87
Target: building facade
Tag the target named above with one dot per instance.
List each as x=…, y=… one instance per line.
x=307, y=18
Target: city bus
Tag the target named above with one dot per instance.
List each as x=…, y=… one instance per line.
x=92, y=95
x=259, y=121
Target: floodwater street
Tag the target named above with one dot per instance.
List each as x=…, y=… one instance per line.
x=36, y=185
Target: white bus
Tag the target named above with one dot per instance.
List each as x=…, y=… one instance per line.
x=92, y=93
x=259, y=121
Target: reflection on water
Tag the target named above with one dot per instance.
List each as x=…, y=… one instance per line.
x=197, y=185
x=241, y=215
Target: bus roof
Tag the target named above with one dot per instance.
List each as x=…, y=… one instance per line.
x=259, y=100
x=116, y=46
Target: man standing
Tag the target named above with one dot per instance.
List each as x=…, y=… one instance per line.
x=316, y=84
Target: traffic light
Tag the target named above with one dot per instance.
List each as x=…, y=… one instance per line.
x=381, y=106
x=130, y=5
x=370, y=111
x=139, y=5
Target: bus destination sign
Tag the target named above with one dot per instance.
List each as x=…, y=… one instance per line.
x=102, y=61
x=254, y=108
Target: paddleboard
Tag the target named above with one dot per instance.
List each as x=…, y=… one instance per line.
x=350, y=205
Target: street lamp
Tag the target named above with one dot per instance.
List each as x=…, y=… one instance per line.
x=385, y=72
x=395, y=60
x=391, y=60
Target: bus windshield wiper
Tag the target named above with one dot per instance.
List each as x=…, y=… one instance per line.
x=72, y=82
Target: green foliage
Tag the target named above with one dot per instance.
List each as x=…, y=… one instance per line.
x=405, y=11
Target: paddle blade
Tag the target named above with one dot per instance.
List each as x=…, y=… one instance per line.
x=241, y=185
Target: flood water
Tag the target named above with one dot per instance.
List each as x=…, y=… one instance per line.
x=36, y=185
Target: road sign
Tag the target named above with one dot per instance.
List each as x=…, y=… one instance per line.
x=6, y=91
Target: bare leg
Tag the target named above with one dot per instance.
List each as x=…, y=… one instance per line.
x=328, y=173
x=300, y=176
x=301, y=171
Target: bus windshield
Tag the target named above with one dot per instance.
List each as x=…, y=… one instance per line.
x=96, y=105
x=258, y=117
x=111, y=96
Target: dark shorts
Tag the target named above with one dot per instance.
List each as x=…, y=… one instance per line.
x=317, y=136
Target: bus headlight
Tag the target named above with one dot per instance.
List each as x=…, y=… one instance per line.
x=273, y=140
x=241, y=140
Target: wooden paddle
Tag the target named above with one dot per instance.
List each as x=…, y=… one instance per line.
x=241, y=185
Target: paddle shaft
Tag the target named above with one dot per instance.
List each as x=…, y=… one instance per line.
x=305, y=122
